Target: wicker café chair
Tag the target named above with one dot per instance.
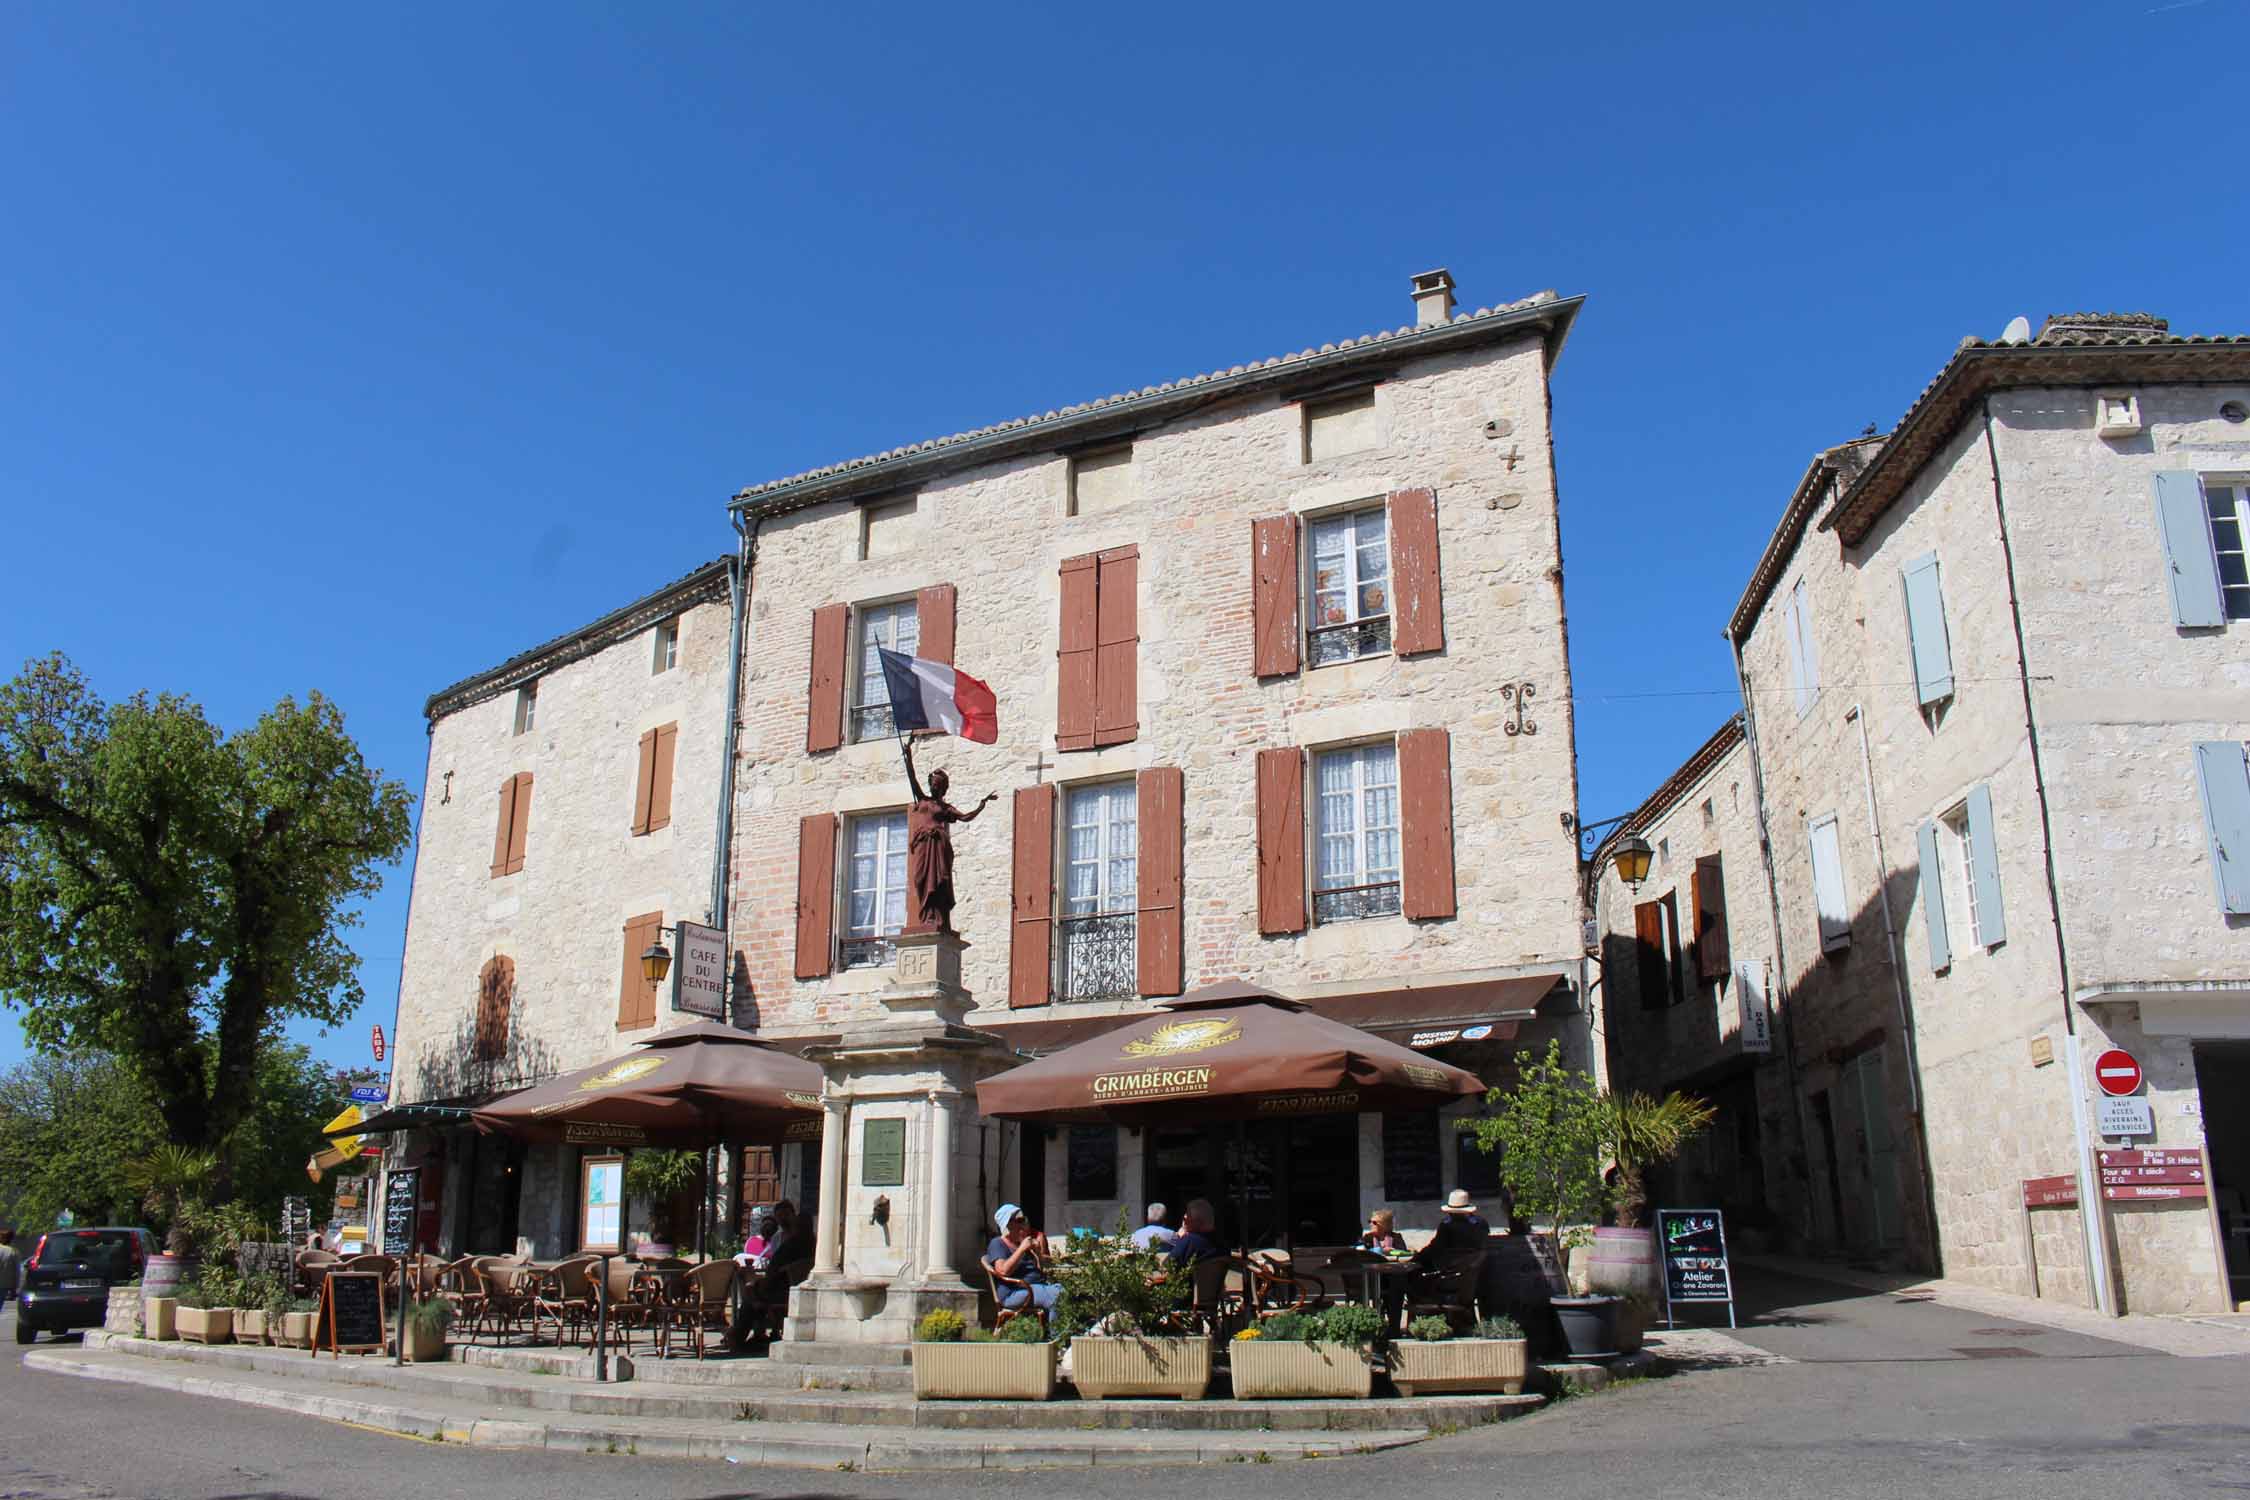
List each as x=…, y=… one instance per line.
x=507, y=1299
x=567, y=1296
x=1277, y=1286
x=458, y=1285
x=702, y=1302
x=1002, y=1288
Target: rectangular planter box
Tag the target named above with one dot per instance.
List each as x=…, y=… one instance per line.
x=249, y=1325
x=160, y=1317
x=123, y=1314
x=296, y=1330
x=985, y=1372
x=1102, y=1367
x=422, y=1348
x=207, y=1325
x=1270, y=1369
x=1420, y=1369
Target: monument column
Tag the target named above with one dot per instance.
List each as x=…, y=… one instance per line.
x=937, y=1260
x=828, y=1233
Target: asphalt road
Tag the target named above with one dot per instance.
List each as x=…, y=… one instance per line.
x=1883, y=1401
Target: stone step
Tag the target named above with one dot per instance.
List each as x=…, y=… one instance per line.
x=792, y=1353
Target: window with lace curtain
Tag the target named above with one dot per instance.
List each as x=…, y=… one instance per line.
x=1358, y=824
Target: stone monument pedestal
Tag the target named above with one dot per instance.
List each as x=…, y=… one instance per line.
x=900, y=1226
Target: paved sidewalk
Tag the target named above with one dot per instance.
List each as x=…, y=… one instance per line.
x=2188, y=1337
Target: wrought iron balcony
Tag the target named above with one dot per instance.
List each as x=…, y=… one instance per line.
x=877, y=952
x=1351, y=903
x=1100, y=957
x=1349, y=642
x=872, y=723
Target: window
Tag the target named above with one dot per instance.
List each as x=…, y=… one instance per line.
x=886, y=529
x=527, y=707
x=897, y=627
x=1101, y=481
x=1960, y=858
x=875, y=890
x=1101, y=886
x=1828, y=884
x=2229, y=508
x=1358, y=832
x=1804, y=658
x=667, y=647
x=514, y=828
x=1351, y=587
x=652, y=783
x=1340, y=425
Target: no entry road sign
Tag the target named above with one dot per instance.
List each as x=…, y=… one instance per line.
x=2117, y=1073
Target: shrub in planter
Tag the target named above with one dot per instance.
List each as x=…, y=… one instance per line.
x=1120, y=1307
x=955, y=1362
x=423, y=1328
x=201, y=1321
x=1494, y=1356
x=1292, y=1354
x=294, y=1326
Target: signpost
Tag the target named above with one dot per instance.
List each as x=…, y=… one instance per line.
x=2050, y=1192
x=2124, y=1117
x=2116, y=1073
x=1693, y=1244
x=2140, y=1176
x=375, y=1037
x=351, y=1313
x=699, y=979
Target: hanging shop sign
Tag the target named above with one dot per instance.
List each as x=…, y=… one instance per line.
x=400, y=1189
x=699, y=979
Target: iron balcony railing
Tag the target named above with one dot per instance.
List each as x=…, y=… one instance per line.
x=1350, y=641
x=1350, y=903
x=1100, y=957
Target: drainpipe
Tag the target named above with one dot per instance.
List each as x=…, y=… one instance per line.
x=2093, y=1213
x=1895, y=954
x=738, y=592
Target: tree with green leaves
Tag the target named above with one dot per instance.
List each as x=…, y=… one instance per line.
x=1644, y=1132
x=1550, y=1130
x=171, y=892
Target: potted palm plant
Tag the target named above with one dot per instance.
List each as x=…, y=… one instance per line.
x=1298, y=1354
x=424, y=1328
x=1550, y=1131
x=953, y=1361
x=1493, y=1356
x=1641, y=1133
x=169, y=1181
x=656, y=1177
x=1120, y=1307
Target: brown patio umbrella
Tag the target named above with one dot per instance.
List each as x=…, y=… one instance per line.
x=686, y=1088
x=1227, y=1052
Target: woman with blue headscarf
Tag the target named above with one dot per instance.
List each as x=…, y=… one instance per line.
x=1017, y=1257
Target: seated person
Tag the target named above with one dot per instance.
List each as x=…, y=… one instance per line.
x=1197, y=1239
x=769, y=1274
x=762, y=1226
x=1020, y=1253
x=1381, y=1237
x=1461, y=1229
x=1154, y=1235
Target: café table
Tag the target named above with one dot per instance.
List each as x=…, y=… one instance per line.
x=1381, y=1278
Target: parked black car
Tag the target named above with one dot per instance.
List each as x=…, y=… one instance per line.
x=67, y=1277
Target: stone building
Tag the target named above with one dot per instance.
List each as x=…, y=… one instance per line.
x=1283, y=693
x=1996, y=707
x=1685, y=990
x=571, y=811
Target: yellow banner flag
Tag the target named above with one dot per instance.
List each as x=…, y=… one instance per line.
x=347, y=1145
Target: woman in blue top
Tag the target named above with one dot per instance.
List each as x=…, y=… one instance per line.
x=1020, y=1254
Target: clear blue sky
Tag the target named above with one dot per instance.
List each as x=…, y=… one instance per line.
x=357, y=349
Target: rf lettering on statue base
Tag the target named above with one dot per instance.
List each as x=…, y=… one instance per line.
x=1692, y=1243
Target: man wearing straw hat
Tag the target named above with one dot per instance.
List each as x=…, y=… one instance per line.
x=1460, y=1227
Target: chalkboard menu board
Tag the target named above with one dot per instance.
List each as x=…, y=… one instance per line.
x=1093, y=1162
x=400, y=1191
x=1413, y=1169
x=351, y=1312
x=1693, y=1243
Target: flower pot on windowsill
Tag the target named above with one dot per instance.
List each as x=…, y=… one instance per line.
x=206, y=1325
x=985, y=1372
x=1424, y=1367
x=1286, y=1369
x=1102, y=1367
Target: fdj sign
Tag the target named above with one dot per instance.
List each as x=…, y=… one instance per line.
x=1692, y=1242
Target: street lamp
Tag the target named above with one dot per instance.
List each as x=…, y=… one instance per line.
x=656, y=959
x=1630, y=859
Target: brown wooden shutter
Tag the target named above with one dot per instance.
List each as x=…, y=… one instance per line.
x=502, y=833
x=667, y=740
x=643, y=780
x=1076, y=691
x=1031, y=936
x=816, y=895
x=933, y=623
x=1158, y=798
x=1710, y=892
x=1117, y=636
x=519, y=822
x=1425, y=785
x=636, y=993
x=824, y=707
x=496, y=989
x=1648, y=954
x=1418, y=606
x=1276, y=638
x=1670, y=901
x=1281, y=841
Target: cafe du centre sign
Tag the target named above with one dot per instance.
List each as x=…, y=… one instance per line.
x=699, y=979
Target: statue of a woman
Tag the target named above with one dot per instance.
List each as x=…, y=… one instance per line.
x=929, y=846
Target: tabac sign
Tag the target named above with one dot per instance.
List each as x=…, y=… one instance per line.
x=699, y=979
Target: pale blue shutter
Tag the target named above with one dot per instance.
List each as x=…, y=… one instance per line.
x=1933, y=897
x=2224, y=771
x=1992, y=922
x=1925, y=630
x=2191, y=565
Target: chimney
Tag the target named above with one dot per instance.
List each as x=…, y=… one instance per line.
x=2101, y=328
x=1433, y=298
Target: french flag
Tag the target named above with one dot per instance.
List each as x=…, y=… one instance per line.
x=929, y=694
